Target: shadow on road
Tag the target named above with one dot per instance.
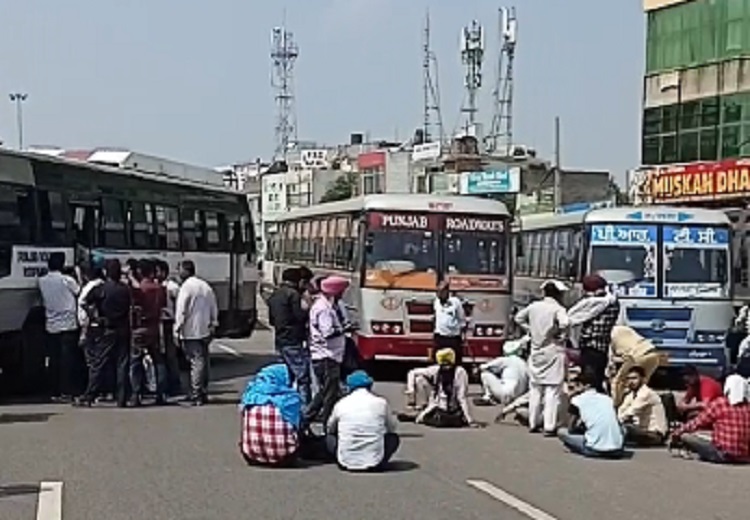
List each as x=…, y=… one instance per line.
x=400, y=466
x=12, y=418
x=12, y=490
x=227, y=368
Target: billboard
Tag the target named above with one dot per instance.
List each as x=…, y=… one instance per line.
x=425, y=151
x=506, y=180
x=695, y=182
x=371, y=160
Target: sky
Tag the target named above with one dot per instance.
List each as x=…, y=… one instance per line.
x=190, y=79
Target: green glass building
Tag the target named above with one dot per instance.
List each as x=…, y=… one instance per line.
x=697, y=81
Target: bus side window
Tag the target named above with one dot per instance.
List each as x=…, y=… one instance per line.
x=53, y=217
x=213, y=231
x=189, y=230
x=355, y=245
x=142, y=225
x=113, y=228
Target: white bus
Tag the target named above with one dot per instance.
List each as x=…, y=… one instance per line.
x=670, y=266
x=48, y=204
x=395, y=249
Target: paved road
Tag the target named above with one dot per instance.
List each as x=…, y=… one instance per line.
x=180, y=463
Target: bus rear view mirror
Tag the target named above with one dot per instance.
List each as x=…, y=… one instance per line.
x=519, y=247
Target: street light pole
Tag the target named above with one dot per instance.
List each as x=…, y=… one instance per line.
x=18, y=98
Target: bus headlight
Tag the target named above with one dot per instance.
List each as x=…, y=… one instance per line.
x=387, y=327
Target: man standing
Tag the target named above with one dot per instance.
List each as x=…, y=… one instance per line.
x=110, y=305
x=289, y=322
x=59, y=293
x=171, y=288
x=547, y=324
x=450, y=321
x=196, y=318
x=362, y=430
x=327, y=346
x=150, y=298
x=597, y=313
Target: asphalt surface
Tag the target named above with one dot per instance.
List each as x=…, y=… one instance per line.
x=184, y=463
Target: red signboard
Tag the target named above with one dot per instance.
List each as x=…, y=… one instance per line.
x=699, y=181
x=371, y=160
x=416, y=221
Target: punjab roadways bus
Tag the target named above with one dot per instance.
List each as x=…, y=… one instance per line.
x=671, y=268
x=395, y=249
x=48, y=204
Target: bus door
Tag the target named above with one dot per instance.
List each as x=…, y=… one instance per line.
x=85, y=216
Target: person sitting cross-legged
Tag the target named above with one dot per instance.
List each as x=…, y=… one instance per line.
x=361, y=429
x=642, y=411
x=728, y=417
x=271, y=418
x=593, y=412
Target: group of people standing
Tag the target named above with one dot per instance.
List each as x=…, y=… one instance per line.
x=112, y=328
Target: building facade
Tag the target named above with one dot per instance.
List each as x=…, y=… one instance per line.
x=697, y=81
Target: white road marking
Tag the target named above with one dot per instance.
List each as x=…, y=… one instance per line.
x=228, y=350
x=49, y=506
x=509, y=500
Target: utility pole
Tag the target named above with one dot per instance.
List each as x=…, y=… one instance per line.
x=557, y=173
x=18, y=98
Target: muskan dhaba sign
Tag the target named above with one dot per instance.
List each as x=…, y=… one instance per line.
x=698, y=181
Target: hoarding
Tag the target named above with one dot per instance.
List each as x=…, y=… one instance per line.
x=314, y=159
x=371, y=160
x=696, y=182
x=494, y=181
x=425, y=151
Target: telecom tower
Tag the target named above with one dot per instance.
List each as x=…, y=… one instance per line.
x=284, y=53
x=472, y=56
x=431, y=90
x=501, y=133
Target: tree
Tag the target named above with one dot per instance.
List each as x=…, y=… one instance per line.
x=340, y=189
x=617, y=194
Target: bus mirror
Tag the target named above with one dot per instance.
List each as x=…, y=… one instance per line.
x=519, y=247
x=368, y=244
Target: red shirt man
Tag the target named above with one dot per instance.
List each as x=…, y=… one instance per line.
x=701, y=390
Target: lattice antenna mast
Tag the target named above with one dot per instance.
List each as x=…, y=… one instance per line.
x=433, y=119
x=501, y=133
x=472, y=56
x=284, y=53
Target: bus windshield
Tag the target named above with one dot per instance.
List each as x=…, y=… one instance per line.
x=401, y=251
x=696, y=262
x=625, y=255
x=474, y=254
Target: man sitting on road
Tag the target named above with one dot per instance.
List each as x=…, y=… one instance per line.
x=642, y=412
x=701, y=390
x=271, y=418
x=595, y=413
x=362, y=430
x=506, y=378
x=728, y=417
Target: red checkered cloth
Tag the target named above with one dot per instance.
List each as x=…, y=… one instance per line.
x=730, y=427
x=266, y=437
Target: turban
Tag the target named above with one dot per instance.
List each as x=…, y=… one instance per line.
x=358, y=379
x=334, y=286
x=445, y=356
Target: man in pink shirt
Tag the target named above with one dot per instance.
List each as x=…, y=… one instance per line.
x=327, y=347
